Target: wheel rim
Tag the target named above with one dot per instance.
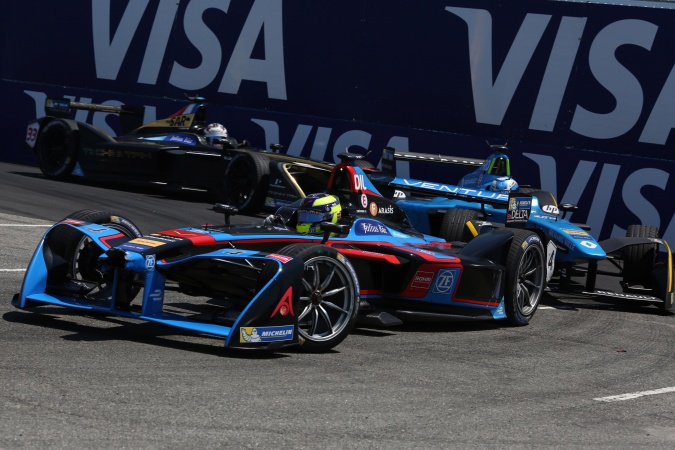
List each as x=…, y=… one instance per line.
x=327, y=300
x=530, y=283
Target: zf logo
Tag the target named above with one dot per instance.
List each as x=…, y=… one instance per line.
x=150, y=263
x=445, y=281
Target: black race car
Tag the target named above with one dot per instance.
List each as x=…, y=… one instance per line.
x=181, y=151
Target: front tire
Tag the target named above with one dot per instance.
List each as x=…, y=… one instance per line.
x=525, y=277
x=329, y=300
x=81, y=255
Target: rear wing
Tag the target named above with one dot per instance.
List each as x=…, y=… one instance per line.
x=390, y=156
x=387, y=178
x=429, y=189
x=131, y=116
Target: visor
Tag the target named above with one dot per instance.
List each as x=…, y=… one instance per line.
x=309, y=216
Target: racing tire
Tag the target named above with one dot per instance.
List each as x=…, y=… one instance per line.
x=82, y=254
x=246, y=180
x=453, y=226
x=56, y=149
x=525, y=277
x=639, y=260
x=329, y=300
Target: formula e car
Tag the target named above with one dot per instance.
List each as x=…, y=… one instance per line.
x=641, y=260
x=267, y=285
x=176, y=152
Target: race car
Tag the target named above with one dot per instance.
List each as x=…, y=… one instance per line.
x=304, y=275
x=181, y=151
x=487, y=198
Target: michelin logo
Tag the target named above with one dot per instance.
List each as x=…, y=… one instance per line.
x=266, y=334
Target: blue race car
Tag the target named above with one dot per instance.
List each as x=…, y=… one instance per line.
x=303, y=276
x=487, y=198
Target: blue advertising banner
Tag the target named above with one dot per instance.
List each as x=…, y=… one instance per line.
x=583, y=93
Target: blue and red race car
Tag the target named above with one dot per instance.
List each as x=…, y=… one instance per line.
x=286, y=281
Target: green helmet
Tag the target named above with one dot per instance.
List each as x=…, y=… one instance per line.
x=317, y=208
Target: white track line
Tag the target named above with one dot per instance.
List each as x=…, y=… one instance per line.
x=24, y=225
x=632, y=395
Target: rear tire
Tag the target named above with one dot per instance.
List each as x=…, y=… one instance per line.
x=639, y=260
x=246, y=181
x=453, y=226
x=56, y=149
x=329, y=300
x=525, y=277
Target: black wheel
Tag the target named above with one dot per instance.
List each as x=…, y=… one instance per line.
x=56, y=149
x=246, y=180
x=454, y=225
x=81, y=255
x=329, y=300
x=525, y=276
x=639, y=260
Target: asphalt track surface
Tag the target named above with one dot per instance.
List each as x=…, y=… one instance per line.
x=582, y=374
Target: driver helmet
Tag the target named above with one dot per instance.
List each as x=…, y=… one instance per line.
x=214, y=133
x=317, y=208
x=503, y=184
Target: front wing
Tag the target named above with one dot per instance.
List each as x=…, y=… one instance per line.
x=268, y=319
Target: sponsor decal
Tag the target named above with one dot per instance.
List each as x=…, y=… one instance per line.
x=367, y=227
x=31, y=134
x=182, y=139
x=518, y=210
x=265, y=334
x=588, y=244
x=285, y=305
x=145, y=242
x=422, y=280
x=150, y=263
x=452, y=189
x=575, y=232
x=445, y=281
x=283, y=258
x=134, y=247
x=114, y=153
x=180, y=121
x=157, y=295
x=374, y=209
x=364, y=200
x=530, y=240
x=550, y=209
x=359, y=184
x=539, y=216
x=551, y=250
x=624, y=295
